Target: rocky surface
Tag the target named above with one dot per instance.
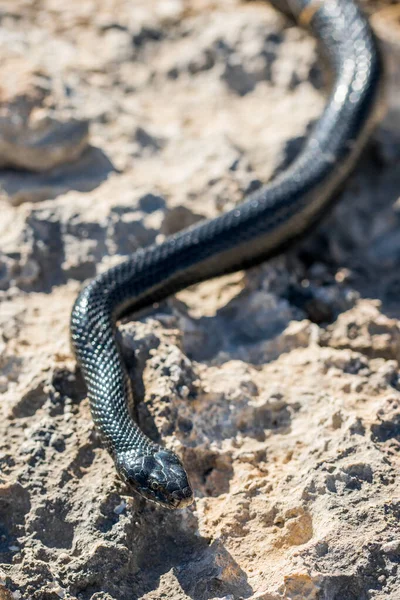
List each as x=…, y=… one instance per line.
x=279, y=387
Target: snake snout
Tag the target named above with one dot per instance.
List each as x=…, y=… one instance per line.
x=183, y=498
x=173, y=480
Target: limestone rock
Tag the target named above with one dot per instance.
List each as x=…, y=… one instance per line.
x=278, y=387
x=32, y=135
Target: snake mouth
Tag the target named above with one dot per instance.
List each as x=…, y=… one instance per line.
x=182, y=499
x=177, y=500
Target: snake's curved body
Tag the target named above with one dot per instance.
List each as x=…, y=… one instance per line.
x=264, y=224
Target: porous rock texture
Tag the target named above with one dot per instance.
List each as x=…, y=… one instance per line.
x=278, y=387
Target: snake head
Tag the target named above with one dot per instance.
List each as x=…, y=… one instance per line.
x=159, y=477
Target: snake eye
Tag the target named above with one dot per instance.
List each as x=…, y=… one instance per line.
x=154, y=485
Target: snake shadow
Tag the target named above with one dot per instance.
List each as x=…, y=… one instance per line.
x=362, y=234
x=172, y=550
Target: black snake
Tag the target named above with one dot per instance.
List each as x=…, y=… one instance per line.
x=263, y=225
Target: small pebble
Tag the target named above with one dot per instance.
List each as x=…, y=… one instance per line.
x=120, y=508
x=393, y=546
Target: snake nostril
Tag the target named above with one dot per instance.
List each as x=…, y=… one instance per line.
x=187, y=492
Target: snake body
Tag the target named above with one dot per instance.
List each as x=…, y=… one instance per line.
x=263, y=225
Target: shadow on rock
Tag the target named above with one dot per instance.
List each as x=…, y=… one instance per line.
x=173, y=549
x=84, y=175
